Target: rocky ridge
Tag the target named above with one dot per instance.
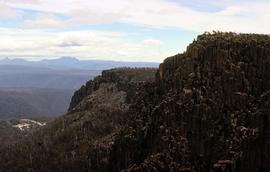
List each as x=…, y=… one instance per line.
x=213, y=110
x=126, y=79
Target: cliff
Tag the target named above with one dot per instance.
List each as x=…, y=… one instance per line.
x=204, y=110
x=213, y=110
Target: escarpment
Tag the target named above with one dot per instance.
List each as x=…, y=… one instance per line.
x=213, y=108
x=204, y=110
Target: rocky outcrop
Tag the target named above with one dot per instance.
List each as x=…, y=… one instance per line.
x=126, y=79
x=213, y=108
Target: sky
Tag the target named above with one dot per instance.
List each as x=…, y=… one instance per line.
x=125, y=30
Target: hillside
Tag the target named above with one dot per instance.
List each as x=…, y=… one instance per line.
x=98, y=115
x=204, y=110
x=17, y=103
x=10, y=130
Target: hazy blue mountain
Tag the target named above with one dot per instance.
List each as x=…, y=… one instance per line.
x=73, y=63
x=27, y=76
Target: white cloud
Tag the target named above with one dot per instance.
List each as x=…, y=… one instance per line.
x=70, y=42
x=33, y=44
x=8, y=13
x=237, y=16
x=77, y=17
x=152, y=42
x=23, y=1
x=33, y=41
x=43, y=21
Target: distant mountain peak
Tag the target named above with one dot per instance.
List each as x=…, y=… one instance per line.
x=68, y=58
x=6, y=59
x=69, y=62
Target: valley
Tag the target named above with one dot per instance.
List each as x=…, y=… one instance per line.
x=34, y=103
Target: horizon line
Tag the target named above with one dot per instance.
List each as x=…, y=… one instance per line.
x=75, y=58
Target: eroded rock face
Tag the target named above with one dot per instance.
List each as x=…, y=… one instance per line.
x=213, y=108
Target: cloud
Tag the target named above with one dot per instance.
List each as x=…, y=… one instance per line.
x=34, y=38
x=7, y=12
x=71, y=42
x=37, y=44
x=76, y=17
x=85, y=16
x=237, y=16
x=152, y=42
x=23, y=1
x=43, y=21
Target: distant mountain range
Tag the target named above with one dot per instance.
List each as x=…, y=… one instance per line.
x=74, y=63
x=41, y=77
x=62, y=73
x=36, y=89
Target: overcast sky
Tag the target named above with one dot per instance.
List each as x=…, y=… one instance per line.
x=130, y=30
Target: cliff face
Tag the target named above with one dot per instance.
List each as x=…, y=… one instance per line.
x=205, y=110
x=213, y=108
